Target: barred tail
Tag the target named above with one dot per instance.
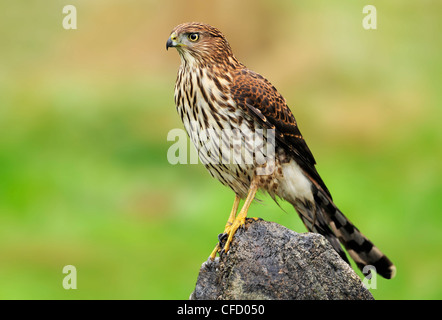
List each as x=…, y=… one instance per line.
x=325, y=218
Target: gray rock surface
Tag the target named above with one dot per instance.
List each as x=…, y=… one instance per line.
x=269, y=261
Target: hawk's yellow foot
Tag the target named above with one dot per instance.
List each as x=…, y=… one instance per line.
x=240, y=220
x=233, y=223
x=213, y=254
x=227, y=227
x=238, y=223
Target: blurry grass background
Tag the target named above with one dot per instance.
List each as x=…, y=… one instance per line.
x=84, y=116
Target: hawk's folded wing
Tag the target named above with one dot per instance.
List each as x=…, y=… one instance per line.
x=260, y=99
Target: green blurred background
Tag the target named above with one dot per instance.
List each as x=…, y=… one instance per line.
x=84, y=116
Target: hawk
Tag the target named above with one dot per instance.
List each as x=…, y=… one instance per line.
x=223, y=105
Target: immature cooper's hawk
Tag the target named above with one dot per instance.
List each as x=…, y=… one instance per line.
x=217, y=97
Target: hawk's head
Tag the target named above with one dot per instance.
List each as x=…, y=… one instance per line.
x=200, y=43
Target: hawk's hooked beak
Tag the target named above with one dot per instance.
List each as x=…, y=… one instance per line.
x=172, y=41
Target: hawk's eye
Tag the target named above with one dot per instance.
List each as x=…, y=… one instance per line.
x=193, y=37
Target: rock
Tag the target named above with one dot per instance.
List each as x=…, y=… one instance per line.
x=269, y=261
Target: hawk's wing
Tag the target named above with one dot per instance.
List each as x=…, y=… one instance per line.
x=260, y=99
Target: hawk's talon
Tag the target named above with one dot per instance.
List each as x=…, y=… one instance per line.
x=222, y=237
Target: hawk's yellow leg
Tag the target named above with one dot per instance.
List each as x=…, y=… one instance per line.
x=242, y=215
x=228, y=224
